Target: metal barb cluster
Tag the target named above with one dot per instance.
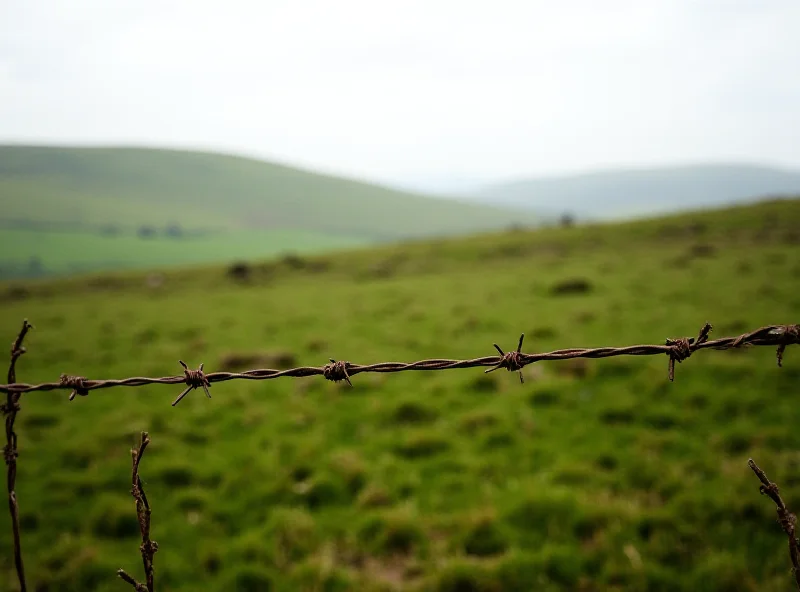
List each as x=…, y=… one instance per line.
x=336, y=371
x=791, y=336
x=76, y=383
x=681, y=349
x=148, y=547
x=786, y=519
x=194, y=379
x=511, y=361
x=779, y=336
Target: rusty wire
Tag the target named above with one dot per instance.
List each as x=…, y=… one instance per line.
x=148, y=547
x=10, y=409
x=786, y=519
x=677, y=350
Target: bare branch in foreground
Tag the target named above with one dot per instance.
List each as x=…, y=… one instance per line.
x=148, y=547
x=10, y=409
x=786, y=519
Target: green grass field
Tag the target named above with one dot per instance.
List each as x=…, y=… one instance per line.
x=59, y=253
x=595, y=476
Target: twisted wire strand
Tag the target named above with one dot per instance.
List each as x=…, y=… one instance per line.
x=680, y=349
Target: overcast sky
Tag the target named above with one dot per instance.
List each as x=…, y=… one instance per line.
x=411, y=90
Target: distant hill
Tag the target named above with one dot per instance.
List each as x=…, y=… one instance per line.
x=646, y=191
x=52, y=187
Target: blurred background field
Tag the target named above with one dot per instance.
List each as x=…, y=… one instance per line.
x=71, y=210
x=592, y=475
x=74, y=210
x=37, y=254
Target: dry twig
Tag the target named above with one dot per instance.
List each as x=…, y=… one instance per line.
x=786, y=519
x=10, y=409
x=148, y=547
x=676, y=349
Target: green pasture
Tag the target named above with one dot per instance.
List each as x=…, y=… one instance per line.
x=27, y=253
x=593, y=475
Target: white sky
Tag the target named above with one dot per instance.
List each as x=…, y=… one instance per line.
x=411, y=90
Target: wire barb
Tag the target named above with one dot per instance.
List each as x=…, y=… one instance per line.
x=148, y=547
x=681, y=349
x=512, y=361
x=76, y=383
x=194, y=379
x=337, y=371
x=786, y=519
x=791, y=336
x=10, y=453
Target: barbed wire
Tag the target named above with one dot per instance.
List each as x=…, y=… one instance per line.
x=677, y=350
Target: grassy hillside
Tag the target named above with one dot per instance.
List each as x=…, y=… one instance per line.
x=129, y=187
x=645, y=191
x=67, y=210
x=595, y=476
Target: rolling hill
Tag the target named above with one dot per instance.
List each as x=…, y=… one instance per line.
x=132, y=186
x=195, y=207
x=645, y=191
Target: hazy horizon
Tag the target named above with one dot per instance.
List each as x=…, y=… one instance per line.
x=434, y=185
x=413, y=93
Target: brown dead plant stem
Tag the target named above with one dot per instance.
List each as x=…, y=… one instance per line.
x=148, y=547
x=10, y=409
x=786, y=519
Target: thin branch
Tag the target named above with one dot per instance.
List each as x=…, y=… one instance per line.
x=786, y=519
x=10, y=409
x=148, y=547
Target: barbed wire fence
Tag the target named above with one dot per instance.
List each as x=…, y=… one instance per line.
x=677, y=350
